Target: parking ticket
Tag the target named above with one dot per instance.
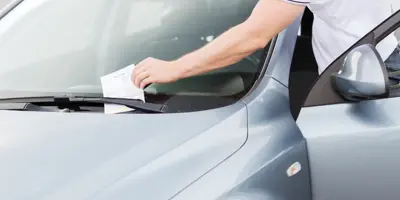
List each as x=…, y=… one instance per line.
x=118, y=84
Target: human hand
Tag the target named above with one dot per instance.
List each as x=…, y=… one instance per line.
x=152, y=70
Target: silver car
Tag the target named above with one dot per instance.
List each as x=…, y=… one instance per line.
x=266, y=128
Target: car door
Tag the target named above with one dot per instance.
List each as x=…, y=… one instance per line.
x=353, y=147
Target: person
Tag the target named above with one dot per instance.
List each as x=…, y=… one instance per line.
x=338, y=24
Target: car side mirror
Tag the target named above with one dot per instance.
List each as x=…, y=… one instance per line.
x=363, y=75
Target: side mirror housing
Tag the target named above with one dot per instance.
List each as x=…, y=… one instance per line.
x=363, y=75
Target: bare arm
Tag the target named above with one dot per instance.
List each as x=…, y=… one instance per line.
x=268, y=18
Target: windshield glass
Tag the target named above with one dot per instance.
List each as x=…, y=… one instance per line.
x=65, y=46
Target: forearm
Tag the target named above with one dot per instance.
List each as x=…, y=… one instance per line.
x=229, y=48
x=268, y=18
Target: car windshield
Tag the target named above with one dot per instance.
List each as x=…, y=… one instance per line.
x=65, y=46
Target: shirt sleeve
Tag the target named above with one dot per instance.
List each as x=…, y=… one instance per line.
x=298, y=2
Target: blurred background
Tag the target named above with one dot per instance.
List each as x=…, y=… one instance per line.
x=395, y=7
x=3, y=3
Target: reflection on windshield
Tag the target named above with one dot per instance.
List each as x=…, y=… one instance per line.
x=67, y=45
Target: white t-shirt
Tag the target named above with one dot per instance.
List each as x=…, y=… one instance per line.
x=338, y=24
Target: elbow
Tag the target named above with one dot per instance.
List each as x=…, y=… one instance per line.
x=260, y=41
x=261, y=38
x=257, y=36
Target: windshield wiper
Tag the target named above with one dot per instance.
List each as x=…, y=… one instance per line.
x=25, y=102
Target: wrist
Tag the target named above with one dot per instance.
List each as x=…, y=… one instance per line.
x=185, y=67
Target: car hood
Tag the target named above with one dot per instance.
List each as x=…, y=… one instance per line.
x=76, y=156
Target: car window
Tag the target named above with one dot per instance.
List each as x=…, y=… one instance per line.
x=391, y=59
x=67, y=45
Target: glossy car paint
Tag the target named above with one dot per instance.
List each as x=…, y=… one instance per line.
x=353, y=149
x=373, y=79
x=258, y=169
x=90, y=156
x=82, y=156
x=353, y=146
x=244, y=151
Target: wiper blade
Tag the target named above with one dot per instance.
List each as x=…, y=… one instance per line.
x=131, y=103
x=64, y=100
x=23, y=106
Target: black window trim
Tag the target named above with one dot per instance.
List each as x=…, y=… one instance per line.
x=265, y=60
x=9, y=7
x=321, y=92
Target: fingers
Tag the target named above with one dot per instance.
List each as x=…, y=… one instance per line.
x=142, y=74
x=143, y=63
x=140, y=77
x=136, y=72
x=139, y=68
x=139, y=73
x=145, y=82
